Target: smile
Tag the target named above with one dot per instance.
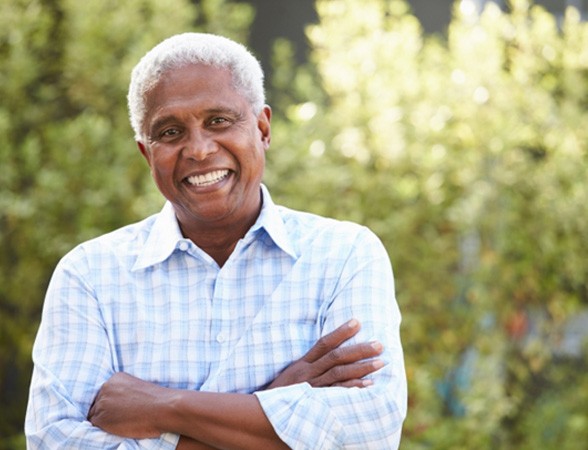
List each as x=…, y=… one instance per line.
x=208, y=178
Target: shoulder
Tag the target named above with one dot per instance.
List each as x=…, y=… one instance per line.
x=120, y=246
x=314, y=231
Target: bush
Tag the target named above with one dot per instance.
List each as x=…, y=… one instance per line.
x=467, y=155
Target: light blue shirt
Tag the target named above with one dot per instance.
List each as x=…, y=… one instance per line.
x=146, y=301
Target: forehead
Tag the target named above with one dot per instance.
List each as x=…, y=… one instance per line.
x=193, y=86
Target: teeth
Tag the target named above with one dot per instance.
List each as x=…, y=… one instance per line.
x=208, y=178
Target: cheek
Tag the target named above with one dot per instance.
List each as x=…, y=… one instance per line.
x=162, y=168
x=163, y=161
x=260, y=160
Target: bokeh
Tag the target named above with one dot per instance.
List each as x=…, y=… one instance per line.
x=465, y=152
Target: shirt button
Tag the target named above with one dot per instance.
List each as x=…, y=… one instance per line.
x=183, y=246
x=220, y=338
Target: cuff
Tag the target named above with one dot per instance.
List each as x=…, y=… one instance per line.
x=299, y=419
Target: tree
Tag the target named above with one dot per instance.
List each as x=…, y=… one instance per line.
x=466, y=154
x=69, y=166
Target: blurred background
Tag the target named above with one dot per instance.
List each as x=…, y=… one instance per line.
x=456, y=130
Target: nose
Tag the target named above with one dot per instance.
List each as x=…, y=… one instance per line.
x=199, y=145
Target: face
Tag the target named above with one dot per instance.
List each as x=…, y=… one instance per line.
x=205, y=147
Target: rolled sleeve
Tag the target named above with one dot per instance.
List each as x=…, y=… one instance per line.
x=333, y=418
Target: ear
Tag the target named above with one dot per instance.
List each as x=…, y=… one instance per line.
x=144, y=151
x=264, y=125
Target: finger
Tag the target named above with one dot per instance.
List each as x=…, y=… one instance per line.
x=347, y=355
x=92, y=409
x=358, y=383
x=332, y=340
x=347, y=373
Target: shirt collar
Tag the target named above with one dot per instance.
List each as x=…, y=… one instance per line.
x=163, y=239
x=165, y=234
x=271, y=221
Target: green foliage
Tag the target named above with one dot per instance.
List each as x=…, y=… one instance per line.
x=69, y=166
x=467, y=155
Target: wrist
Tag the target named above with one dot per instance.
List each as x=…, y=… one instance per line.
x=168, y=411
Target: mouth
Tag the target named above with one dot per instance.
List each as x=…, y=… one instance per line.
x=208, y=179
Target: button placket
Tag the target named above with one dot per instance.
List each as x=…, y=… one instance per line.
x=219, y=331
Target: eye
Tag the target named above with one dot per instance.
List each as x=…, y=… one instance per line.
x=218, y=121
x=170, y=132
x=167, y=134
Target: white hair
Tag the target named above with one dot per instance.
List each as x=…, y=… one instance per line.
x=194, y=48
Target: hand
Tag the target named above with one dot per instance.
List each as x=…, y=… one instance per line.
x=329, y=364
x=124, y=406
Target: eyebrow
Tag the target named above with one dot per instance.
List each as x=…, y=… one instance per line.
x=224, y=110
x=161, y=122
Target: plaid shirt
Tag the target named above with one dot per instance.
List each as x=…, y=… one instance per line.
x=146, y=301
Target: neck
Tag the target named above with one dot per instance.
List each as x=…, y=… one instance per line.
x=219, y=245
x=219, y=239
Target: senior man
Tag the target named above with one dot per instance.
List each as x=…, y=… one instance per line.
x=224, y=321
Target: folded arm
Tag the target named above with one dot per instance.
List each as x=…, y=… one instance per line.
x=130, y=407
x=74, y=356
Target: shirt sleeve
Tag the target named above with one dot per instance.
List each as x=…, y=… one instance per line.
x=351, y=418
x=72, y=359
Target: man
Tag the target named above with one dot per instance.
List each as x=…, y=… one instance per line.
x=224, y=321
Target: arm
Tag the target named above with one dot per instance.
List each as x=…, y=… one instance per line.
x=350, y=418
x=327, y=363
x=134, y=408
x=128, y=406
x=72, y=360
